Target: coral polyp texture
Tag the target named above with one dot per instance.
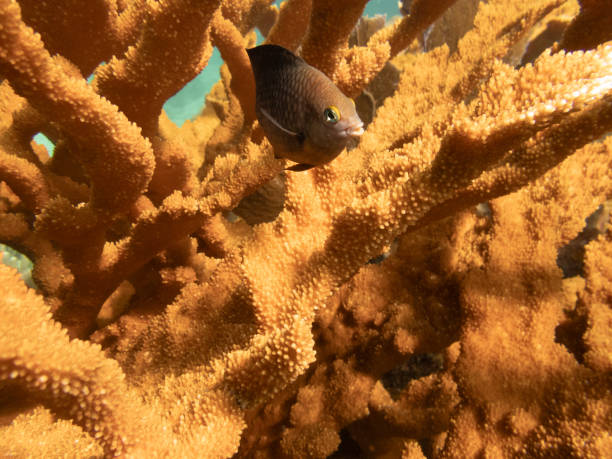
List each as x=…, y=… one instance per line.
x=432, y=292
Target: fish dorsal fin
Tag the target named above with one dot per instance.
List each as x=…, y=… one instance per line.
x=277, y=124
x=266, y=57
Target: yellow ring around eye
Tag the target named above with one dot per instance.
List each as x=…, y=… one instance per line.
x=332, y=114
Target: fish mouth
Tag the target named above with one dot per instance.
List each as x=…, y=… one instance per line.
x=355, y=130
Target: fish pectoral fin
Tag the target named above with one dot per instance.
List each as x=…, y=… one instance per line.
x=300, y=167
x=276, y=123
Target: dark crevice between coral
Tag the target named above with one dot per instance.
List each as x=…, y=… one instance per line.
x=417, y=366
x=570, y=332
x=405, y=139
x=550, y=35
x=14, y=400
x=570, y=257
x=348, y=448
x=383, y=256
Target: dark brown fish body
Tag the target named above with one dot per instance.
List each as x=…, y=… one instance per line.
x=304, y=115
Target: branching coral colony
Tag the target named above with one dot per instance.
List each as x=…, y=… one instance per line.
x=160, y=326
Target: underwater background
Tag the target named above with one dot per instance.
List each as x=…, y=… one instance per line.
x=431, y=291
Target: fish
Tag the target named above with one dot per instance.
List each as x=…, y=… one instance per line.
x=305, y=116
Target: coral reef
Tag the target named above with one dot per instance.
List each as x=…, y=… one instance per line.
x=404, y=300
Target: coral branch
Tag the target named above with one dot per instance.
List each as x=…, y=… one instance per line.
x=175, y=42
x=401, y=34
x=66, y=24
x=25, y=180
x=292, y=24
x=104, y=137
x=327, y=37
x=230, y=43
x=432, y=292
x=72, y=378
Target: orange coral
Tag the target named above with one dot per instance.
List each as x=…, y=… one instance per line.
x=296, y=337
x=292, y=24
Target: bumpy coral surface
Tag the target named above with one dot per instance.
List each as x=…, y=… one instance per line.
x=409, y=299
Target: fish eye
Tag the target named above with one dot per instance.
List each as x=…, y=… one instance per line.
x=331, y=114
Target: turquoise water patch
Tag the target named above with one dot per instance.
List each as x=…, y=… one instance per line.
x=42, y=139
x=388, y=7
x=188, y=102
x=19, y=261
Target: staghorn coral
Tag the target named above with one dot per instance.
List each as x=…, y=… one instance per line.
x=161, y=326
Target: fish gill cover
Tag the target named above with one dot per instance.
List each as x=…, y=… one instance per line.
x=193, y=299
